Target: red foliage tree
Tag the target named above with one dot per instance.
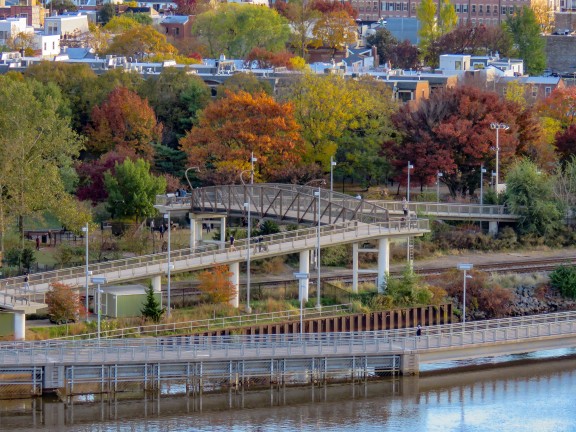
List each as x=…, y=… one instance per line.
x=185, y=7
x=126, y=120
x=560, y=105
x=91, y=175
x=327, y=6
x=450, y=133
x=566, y=142
x=405, y=56
x=268, y=59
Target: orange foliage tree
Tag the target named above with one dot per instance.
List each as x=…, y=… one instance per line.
x=560, y=105
x=124, y=120
x=64, y=303
x=238, y=124
x=217, y=285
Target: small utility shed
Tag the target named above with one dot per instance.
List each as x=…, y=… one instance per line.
x=125, y=300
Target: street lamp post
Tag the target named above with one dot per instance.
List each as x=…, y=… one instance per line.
x=438, y=175
x=85, y=231
x=318, y=305
x=482, y=172
x=410, y=166
x=247, y=206
x=252, y=160
x=99, y=280
x=465, y=268
x=492, y=179
x=332, y=165
x=167, y=216
x=497, y=127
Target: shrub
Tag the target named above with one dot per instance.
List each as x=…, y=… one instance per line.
x=337, y=256
x=563, y=278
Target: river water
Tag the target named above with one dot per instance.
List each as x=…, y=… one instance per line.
x=525, y=395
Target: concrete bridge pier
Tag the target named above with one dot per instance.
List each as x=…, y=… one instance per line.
x=157, y=283
x=304, y=268
x=493, y=228
x=383, y=262
x=235, y=279
x=195, y=230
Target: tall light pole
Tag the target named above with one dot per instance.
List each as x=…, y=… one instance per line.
x=438, y=175
x=302, y=282
x=167, y=216
x=465, y=268
x=332, y=165
x=100, y=280
x=497, y=127
x=410, y=166
x=252, y=160
x=482, y=172
x=247, y=206
x=318, y=304
x=192, y=222
x=85, y=231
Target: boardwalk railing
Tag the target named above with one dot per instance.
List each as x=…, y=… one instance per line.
x=443, y=337
x=212, y=324
x=187, y=259
x=473, y=211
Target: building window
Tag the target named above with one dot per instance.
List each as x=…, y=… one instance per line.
x=405, y=6
x=534, y=91
x=473, y=8
x=503, y=10
x=457, y=65
x=547, y=91
x=464, y=8
x=487, y=9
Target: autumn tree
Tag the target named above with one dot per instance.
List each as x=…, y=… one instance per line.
x=64, y=304
x=21, y=41
x=566, y=142
x=530, y=45
x=142, y=39
x=267, y=59
x=544, y=14
x=326, y=6
x=334, y=30
x=122, y=23
x=330, y=109
x=428, y=32
x=302, y=18
x=176, y=97
x=124, y=120
x=233, y=127
x=234, y=30
x=132, y=190
x=560, y=105
x=450, y=133
x=216, y=284
x=448, y=17
x=405, y=56
x=246, y=82
x=186, y=7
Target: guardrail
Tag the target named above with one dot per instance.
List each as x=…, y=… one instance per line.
x=212, y=324
x=461, y=210
x=280, y=242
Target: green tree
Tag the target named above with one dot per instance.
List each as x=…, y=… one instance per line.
x=234, y=30
x=176, y=97
x=132, y=190
x=46, y=143
x=152, y=308
x=60, y=6
x=426, y=14
x=302, y=19
x=384, y=42
x=448, y=17
x=142, y=39
x=529, y=44
x=106, y=13
x=563, y=278
x=529, y=194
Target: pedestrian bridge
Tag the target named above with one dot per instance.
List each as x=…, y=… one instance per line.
x=197, y=360
x=14, y=295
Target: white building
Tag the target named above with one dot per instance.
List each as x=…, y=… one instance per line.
x=10, y=27
x=66, y=25
x=48, y=45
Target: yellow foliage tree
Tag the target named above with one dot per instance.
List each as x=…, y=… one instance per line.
x=334, y=30
x=544, y=14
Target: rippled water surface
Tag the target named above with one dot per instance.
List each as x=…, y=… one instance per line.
x=537, y=397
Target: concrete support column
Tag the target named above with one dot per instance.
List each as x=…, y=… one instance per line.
x=192, y=231
x=493, y=228
x=383, y=262
x=235, y=279
x=157, y=283
x=355, y=267
x=19, y=326
x=304, y=268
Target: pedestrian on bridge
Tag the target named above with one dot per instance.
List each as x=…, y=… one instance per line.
x=26, y=283
x=419, y=330
x=232, y=243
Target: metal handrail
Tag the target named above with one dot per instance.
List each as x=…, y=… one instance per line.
x=210, y=324
x=281, y=345
x=278, y=241
x=449, y=208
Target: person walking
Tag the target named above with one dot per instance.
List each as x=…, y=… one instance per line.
x=26, y=283
x=37, y=243
x=405, y=207
x=232, y=242
x=418, y=330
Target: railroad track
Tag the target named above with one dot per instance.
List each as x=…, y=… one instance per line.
x=525, y=266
